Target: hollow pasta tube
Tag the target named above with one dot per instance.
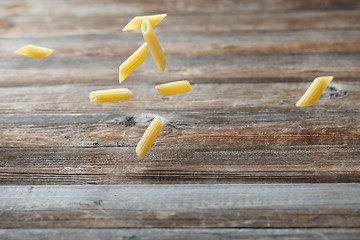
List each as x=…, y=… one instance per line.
x=134, y=61
x=135, y=23
x=149, y=136
x=34, y=51
x=173, y=88
x=110, y=95
x=153, y=44
x=314, y=91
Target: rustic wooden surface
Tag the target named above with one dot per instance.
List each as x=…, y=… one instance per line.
x=165, y=234
x=286, y=172
x=182, y=206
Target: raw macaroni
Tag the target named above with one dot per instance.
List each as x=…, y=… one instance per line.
x=111, y=95
x=34, y=51
x=173, y=88
x=154, y=46
x=135, y=23
x=149, y=136
x=134, y=61
x=314, y=91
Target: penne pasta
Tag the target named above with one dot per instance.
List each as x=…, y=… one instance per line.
x=134, y=61
x=34, y=51
x=153, y=44
x=149, y=136
x=111, y=95
x=135, y=23
x=173, y=88
x=314, y=91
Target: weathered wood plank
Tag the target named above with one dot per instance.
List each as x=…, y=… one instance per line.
x=123, y=44
x=214, y=16
x=181, y=206
x=198, y=69
x=250, y=126
x=248, y=61
x=238, y=163
x=93, y=7
x=227, y=97
x=225, y=141
x=198, y=234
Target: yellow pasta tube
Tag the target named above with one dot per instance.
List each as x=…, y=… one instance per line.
x=154, y=46
x=135, y=23
x=111, y=95
x=149, y=136
x=134, y=61
x=314, y=91
x=34, y=51
x=173, y=88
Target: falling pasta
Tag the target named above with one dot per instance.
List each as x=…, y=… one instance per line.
x=146, y=23
x=149, y=136
x=154, y=46
x=314, y=91
x=134, y=61
x=34, y=51
x=135, y=23
x=173, y=88
x=111, y=95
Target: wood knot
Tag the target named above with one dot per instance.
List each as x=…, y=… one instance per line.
x=335, y=92
x=128, y=122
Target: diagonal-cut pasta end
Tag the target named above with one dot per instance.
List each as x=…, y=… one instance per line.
x=130, y=25
x=140, y=154
x=162, y=66
x=135, y=23
x=122, y=75
x=327, y=79
x=300, y=103
x=92, y=96
x=34, y=51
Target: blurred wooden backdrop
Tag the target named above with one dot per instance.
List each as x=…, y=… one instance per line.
x=285, y=172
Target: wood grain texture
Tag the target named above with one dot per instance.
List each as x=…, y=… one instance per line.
x=165, y=234
x=248, y=63
x=180, y=164
x=229, y=98
x=56, y=17
x=202, y=69
x=188, y=206
x=124, y=43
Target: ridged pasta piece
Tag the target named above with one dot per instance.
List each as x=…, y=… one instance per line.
x=149, y=136
x=153, y=44
x=111, y=95
x=34, y=51
x=134, y=61
x=135, y=23
x=172, y=88
x=314, y=91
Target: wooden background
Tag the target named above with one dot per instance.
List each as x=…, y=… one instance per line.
x=236, y=159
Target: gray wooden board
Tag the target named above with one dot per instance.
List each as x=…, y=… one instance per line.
x=215, y=16
x=123, y=44
x=231, y=68
x=181, y=206
x=164, y=234
x=180, y=164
